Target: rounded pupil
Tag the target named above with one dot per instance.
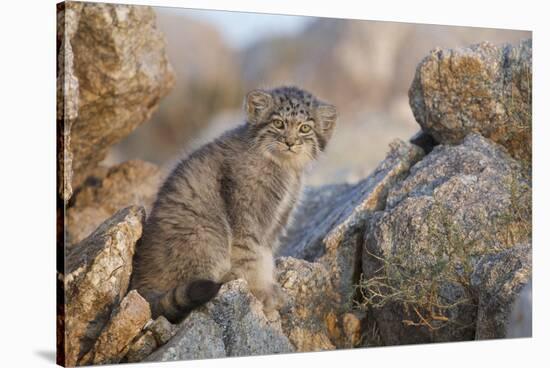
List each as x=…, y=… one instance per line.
x=305, y=128
x=278, y=123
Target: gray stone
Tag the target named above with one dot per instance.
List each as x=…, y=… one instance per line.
x=232, y=324
x=498, y=279
x=199, y=337
x=246, y=329
x=458, y=204
x=481, y=88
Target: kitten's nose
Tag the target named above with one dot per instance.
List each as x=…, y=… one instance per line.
x=289, y=143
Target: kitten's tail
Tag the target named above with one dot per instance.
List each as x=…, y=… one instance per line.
x=176, y=303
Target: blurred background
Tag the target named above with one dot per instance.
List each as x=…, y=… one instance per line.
x=363, y=67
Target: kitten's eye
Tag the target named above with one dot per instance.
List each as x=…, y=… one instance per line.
x=305, y=128
x=278, y=124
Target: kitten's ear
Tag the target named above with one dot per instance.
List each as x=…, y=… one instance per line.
x=326, y=116
x=257, y=103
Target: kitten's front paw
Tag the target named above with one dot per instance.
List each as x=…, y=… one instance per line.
x=280, y=298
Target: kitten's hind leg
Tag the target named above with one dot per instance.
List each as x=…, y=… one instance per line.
x=255, y=264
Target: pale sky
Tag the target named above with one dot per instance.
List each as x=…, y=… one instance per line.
x=241, y=29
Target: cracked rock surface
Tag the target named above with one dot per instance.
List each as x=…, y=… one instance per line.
x=98, y=271
x=113, y=71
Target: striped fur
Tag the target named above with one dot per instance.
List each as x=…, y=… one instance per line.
x=219, y=214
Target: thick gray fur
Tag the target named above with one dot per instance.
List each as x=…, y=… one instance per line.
x=219, y=214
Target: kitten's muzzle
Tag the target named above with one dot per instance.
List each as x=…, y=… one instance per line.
x=290, y=143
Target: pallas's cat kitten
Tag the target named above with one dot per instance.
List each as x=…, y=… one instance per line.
x=219, y=214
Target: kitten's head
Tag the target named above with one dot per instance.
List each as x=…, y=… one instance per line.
x=290, y=125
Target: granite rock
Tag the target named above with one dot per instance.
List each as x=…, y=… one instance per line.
x=459, y=204
x=482, y=88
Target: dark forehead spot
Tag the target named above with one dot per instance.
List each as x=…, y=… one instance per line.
x=302, y=111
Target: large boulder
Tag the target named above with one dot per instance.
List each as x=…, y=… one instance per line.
x=97, y=275
x=328, y=227
x=112, y=73
x=482, y=88
x=232, y=324
x=456, y=231
x=106, y=191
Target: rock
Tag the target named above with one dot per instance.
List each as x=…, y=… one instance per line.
x=310, y=318
x=157, y=333
x=97, y=276
x=126, y=322
x=481, y=88
x=520, y=321
x=162, y=330
x=232, y=324
x=246, y=329
x=329, y=225
x=352, y=329
x=498, y=279
x=68, y=15
x=106, y=191
x=141, y=348
x=311, y=303
x=199, y=337
x=115, y=72
x=459, y=204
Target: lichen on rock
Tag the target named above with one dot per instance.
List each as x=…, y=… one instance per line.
x=459, y=204
x=310, y=303
x=482, y=88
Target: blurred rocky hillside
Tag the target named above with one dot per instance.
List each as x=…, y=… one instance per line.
x=363, y=67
